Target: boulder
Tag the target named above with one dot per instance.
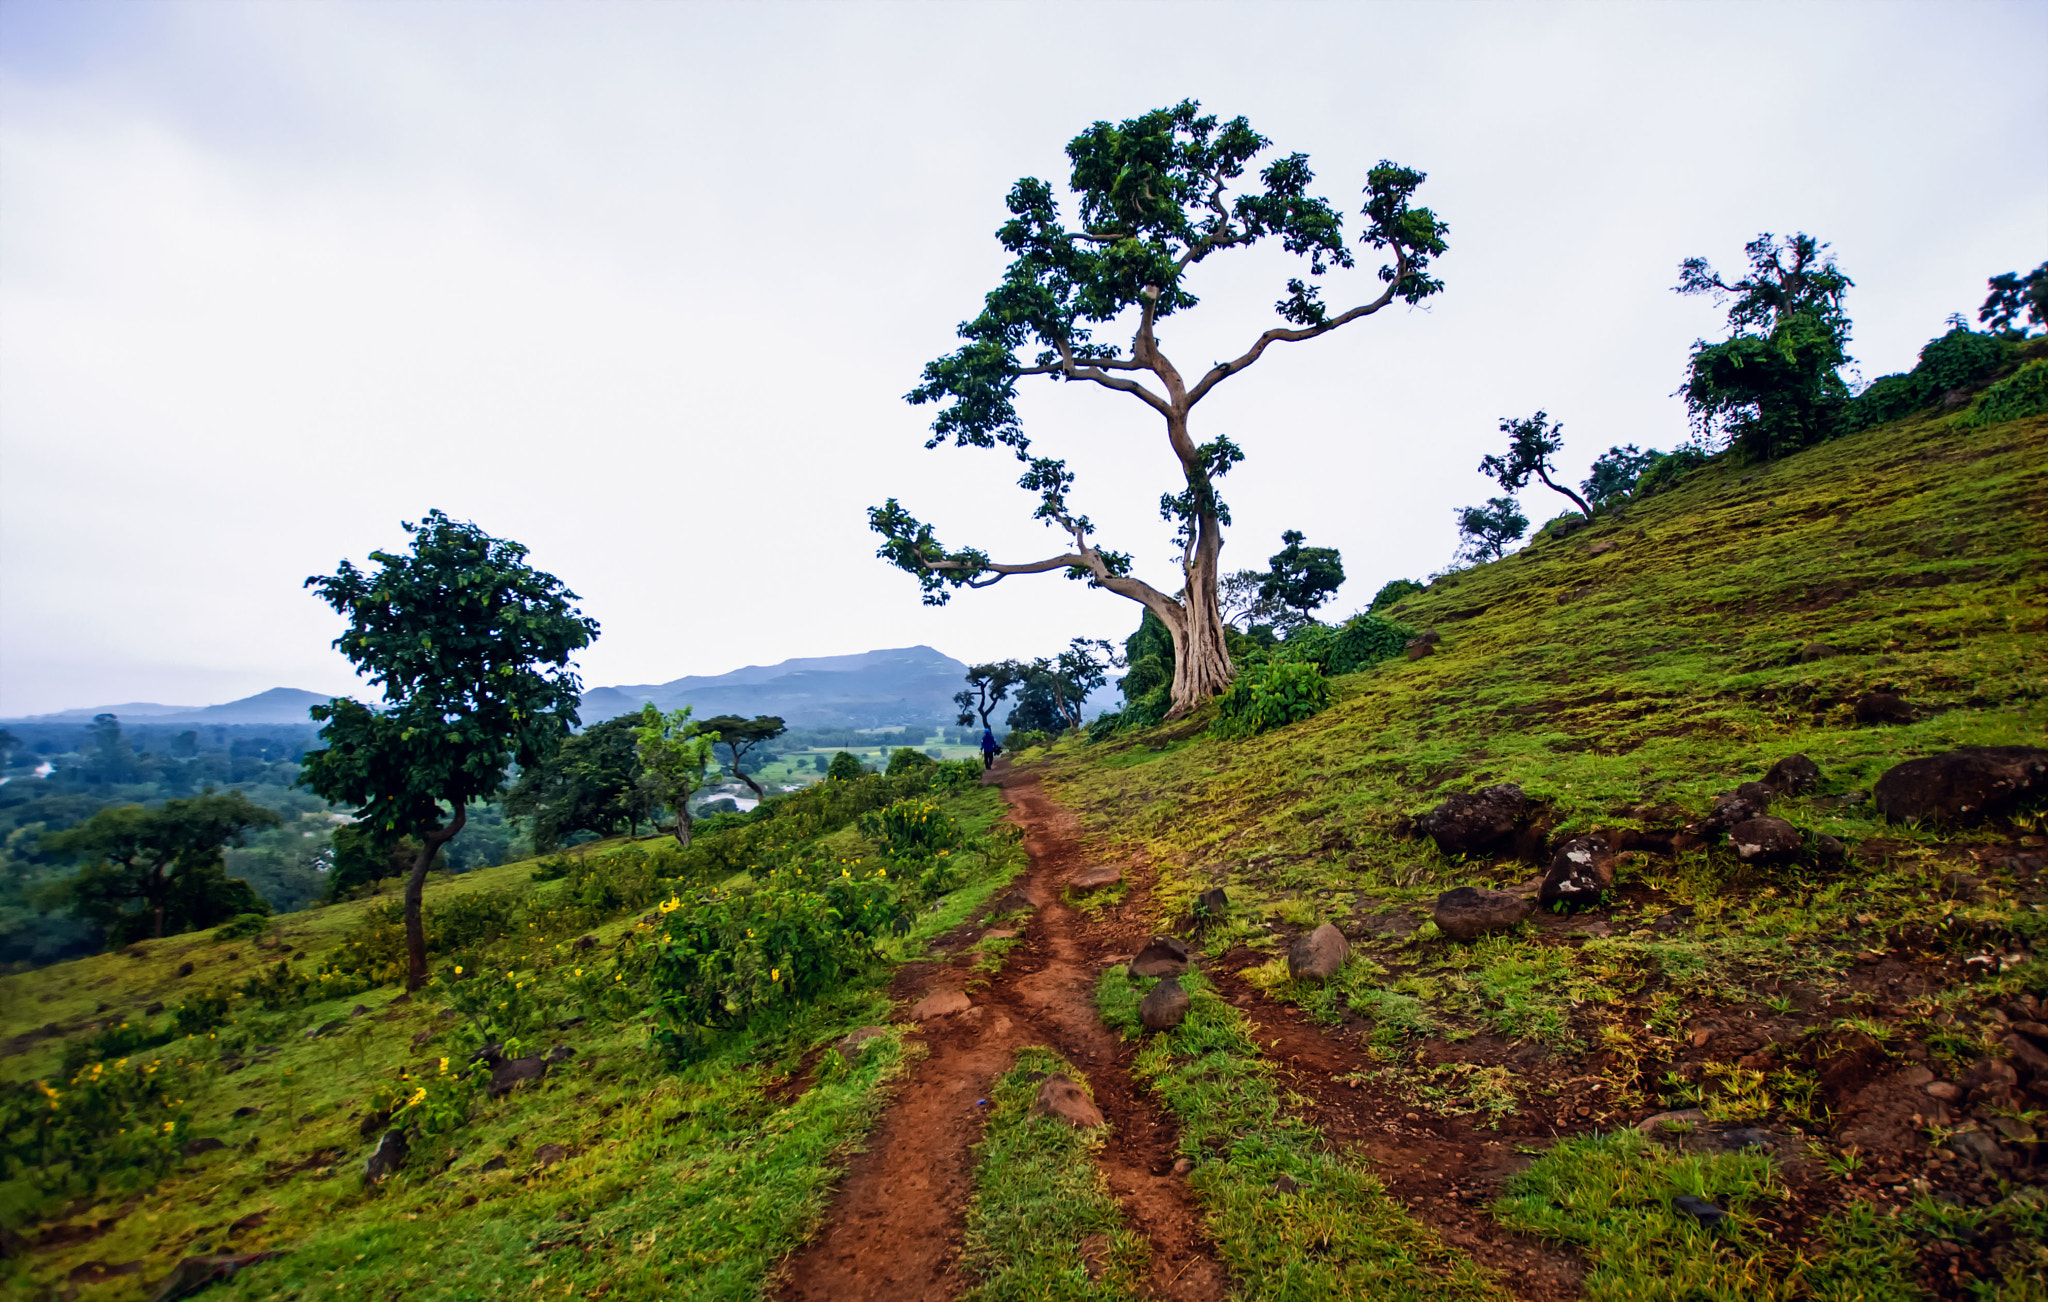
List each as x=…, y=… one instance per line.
x=1471, y=822
x=1062, y=1098
x=195, y=1273
x=1095, y=879
x=1163, y=956
x=1580, y=872
x=1963, y=785
x=194, y=1147
x=387, y=1157
x=1794, y=775
x=1813, y=651
x=940, y=1003
x=1165, y=1007
x=1210, y=905
x=1422, y=646
x=510, y=1074
x=1470, y=912
x=1700, y=1210
x=1750, y=800
x=1766, y=840
x=549, y=1154
x=854, y=1043
x=1318, y=955
x=1883, y=707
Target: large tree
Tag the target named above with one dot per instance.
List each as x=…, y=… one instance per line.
x=167, y=859
x=1156, y=195
x=471, y=646
x=592, y=783
x=987, y=685
x=739, y=736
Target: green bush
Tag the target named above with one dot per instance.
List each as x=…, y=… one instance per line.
x=1666, y=472
x=109, y=1118
x=1023, y=739
x=242, y=925
x=1269, y=696
x=845, y=767
x=1960, y=359
x=956, y=775
x=2023, y=393
x=906, y=759
x=1393, y=591
x=1357, y=644
x=914, y=829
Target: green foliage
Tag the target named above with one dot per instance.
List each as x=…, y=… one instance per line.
x=987, y=685
x=953, y=776
x=1960, y=359
x=1532, y=444
x=1301, y=578
x=167, y=860
x=912, y=829
x=740, y=737
x=2021, y=394
x=1485, y=531
x=242, y=926
x=1668, y=470
x=362, y=859
x=115, y=1119
x=845, y=768
x=1264, y=697
x=674, y=754
x=905, y=759
x=1392, y=591
x=1356, y=645
x=595, y=782
x=1615, y=473
x=2016, y=303
x=1023, y=739
x=723, y=957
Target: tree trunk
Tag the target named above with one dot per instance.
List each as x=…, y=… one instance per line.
x=1201, y=658
x=683, y=821
x=415, y=884
x=1577, y=501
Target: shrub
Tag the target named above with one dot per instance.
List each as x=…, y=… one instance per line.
x=956, y=775
x=202, y=1012
x=106, y=1118
x=905, y=759
x=2023, y=393
x=912, y=829
x=845, y=767
x=1393, y=591
x=1668, y=469
x=1270, y=696
x=242, y=925
x=1023, y=739
x=1960, y=359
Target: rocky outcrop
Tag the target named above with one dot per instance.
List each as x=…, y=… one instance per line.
x=1766, y=841
x=1474, y=822
x=1793, y=776
x=1963, y=785
x=1580, y=874
x=1750, y=800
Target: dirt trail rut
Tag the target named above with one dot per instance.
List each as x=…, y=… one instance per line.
x=894, y=1228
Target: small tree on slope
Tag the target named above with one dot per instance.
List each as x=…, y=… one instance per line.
x=1531, y=445
x=471, y=647
x=1155, y=198
x=674, y=754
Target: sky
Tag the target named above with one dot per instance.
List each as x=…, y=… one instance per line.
x=642, y=286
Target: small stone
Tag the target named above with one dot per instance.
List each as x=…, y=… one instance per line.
x=1162, y=956
x=940, y=1003
x=1882, y=708
x=360, y=1010
x=512, y=1073
x=1916, y=1075
x=1319, y=955
x=1794, y=775
x=854, y=1043
x=2024, y=1051
x=1063, y=1099
x=494, y=1164
x=1095, y=879
x=388, y=1156
x=1209, y=906
x=206, y=1144
x=1946, y=1091
x=1750, y=800
x=1766, y=841
x=1813, y=651
x=1671, y=1120
x=999, y=933
x=1580, y=874
x=1701, y=1036
x=549, y=1154
x=1422, y=646
x=1182, y=1165
x=1748, y=1137
x=1700, y=1210
x=184, y=969
x=153, y=1009
x=1470, y=912
x=1286, y=1184
x=1165, y=1006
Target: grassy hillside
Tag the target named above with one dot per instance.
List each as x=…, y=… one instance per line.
x=1623, y=675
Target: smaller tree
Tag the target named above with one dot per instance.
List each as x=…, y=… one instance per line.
x=1392, y=591
x=1487, y=530
x=1615, y=472
x=1532, y=443
x=591, y=784
x=1240, y=603
x=987, y=685
x=673, y=755
x=2017, y=304
x=740, y=736
x=168, y=859
x=845, y=767
x=1056, y=689
x=1299, y=578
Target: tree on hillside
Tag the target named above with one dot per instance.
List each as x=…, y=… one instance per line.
x=358, y=857
x=1392, y=591
x=1532, y=443
x=471, y=647
x=1774, y=386
x=168, y=859
x=1485, y=531
x=1055, y=689
x=1157, y=194
x=739, y=736
x=987, y=685
x=1239, y=601
x=674, y=753
x=592, y=783
x=1615, y=472
x=2017, y=304
x=1299, y=578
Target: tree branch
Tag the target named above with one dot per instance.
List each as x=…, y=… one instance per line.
x=1074, y=370
x=1224, y=370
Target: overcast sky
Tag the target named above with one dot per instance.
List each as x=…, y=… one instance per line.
x=642, y=286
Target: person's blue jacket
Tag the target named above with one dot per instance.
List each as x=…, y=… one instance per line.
x=988, y=742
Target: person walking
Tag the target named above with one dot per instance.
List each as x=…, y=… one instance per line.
x=988, y=749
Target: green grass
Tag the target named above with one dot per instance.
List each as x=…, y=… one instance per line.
x=1038, y=1197
x=1337, y=1233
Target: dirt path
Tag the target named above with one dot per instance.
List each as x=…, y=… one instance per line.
x=894, y=1229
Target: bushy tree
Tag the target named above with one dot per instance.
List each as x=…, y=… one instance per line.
x=1299, y=578
x=987, y=685
x=1532, y=444
x=741, y=736
x=1239, y=599
x=1485, y=531
x=471, y=647
x=359, y=858
x=167, y=859
x=1392, y=591
x=674, y=753
x=1157, y=195
x=1615, y=472
x=845, y=767
x=2017, y=305
x=592, y=783
x=1775, y=385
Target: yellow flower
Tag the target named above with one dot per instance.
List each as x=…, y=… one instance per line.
x=579, y=971
x=775, y=974
x=419, y=1096
x=458, y=969
x=169, y=1126
x=444, y=1064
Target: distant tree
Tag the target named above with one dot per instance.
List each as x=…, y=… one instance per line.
x=674, y=753
x=167, y=858
x=471, y=647
x=1301, y=578
x=1392, y=591
x=1155, y=199
x=109, y=758
x=1615, y=472
x=1774, y=386
x=821, y=762
x=592, y=783
x=1532, y=443
x=1055, y=689
x=740, y=736
x=905, y=759
x=845, y=767
x=9, y=743
x=1487, y=530
x=1243, y=608
x=2017, y=304
x=987, y=685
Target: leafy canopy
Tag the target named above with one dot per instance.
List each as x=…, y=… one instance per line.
x=2016, y=304
x=1532, y=444
x=167, y=859
x=471, y=647
x=1301, y=578
x=592, y=783
x=1487, y=530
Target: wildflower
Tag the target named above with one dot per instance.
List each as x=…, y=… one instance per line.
x=444, y=1065
x=458, y=969
x=169, y=1126
x=775, y=974
x=419, y=1096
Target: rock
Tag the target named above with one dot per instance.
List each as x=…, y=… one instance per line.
x=1916, y=1075
x=1654, y=1126
x=495, y=1164
x=1962, y=785
x=1981, y=1148
x=423, y=1037
x=583, y=944
x=1475, y=821
x=1470, y=912
x=2035, y=1031
x=401, y=1001
x=1946, y=1091
x=1828, y=850
x=1318, y=955
x=360, y=1010
x=1882, y=707
x=195, y=1273
x=1182, y=1165
x=184, y=969
x=194, y=1147
x=1750, y=800
x=1286, y=1184
x=1163, y=956
x=514, y=1072
x=1766, y=841
x=1165, y=1006
x=854, y=1043
x=1062, y=1099
x=940, y=1003
x=549, y=1154
x=1095, y=879
x=373, y=1122
x=319, y=1031
x=1794, y=775
x=1422, y=646
x=1748, y=1137
x=1580, y=873
x=2024, y=1052
x=244, y=1112
x=1210, y=905
x=388, y=1156
x=153, y=1009
x=1700, y=1210
x=2014, y=1129
x=560, y=1053
x=1813, y=651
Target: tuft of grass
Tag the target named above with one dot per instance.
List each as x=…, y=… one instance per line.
x=1290, y=1218
x=1039, y=1198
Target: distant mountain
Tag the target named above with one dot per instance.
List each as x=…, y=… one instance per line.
x=903, y=685
x=127, y=710
x=278, y=705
